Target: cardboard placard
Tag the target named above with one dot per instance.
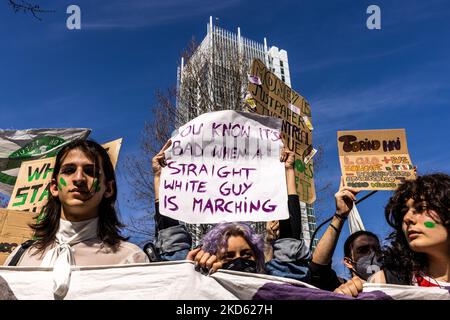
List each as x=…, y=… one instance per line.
x=374, y=159
x=30, y=191
x=113, y=149
x=225, y=166
x=14, y=230
x=274, y=98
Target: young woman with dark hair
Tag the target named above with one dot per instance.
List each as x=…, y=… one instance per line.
x=419, y=252
x=80, y=226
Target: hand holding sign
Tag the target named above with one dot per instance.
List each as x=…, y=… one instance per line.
x=224, y=166
x=344, y=199
x=159, y=161
x=288, y=157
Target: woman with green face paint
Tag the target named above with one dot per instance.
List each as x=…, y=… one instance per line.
x=419, y=252
x=80, y=226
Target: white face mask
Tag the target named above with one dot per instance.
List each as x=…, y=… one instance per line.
x=366, y=266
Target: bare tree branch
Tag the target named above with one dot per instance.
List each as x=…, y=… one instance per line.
x=28, y=7
x=212, y=78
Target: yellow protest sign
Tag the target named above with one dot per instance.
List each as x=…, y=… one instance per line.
x=14, y=230
x=374, y=159
x=274, y=98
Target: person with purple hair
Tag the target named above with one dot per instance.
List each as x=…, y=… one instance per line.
x=236, y=246
x=232, y=246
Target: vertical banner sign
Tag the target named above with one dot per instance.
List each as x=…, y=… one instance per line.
x=272, y=97
x=225, y=166
x=374, y=159
x=31, y=190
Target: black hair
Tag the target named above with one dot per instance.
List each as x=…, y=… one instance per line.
x=349, y=242
x=434, y=189
x=108, y=222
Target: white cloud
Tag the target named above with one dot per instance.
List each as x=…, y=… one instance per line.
x=136, y=14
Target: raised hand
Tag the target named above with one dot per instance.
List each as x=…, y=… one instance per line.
x=159, y=161
x=344, y=199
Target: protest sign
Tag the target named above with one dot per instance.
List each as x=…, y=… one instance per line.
x=14, y=230
x=224, y=166
x=113, y=149
x=23, y=145
x=374, y=159
x=31, y=190
x=272, y=97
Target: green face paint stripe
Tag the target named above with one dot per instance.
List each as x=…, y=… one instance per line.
x=96, y=186
x=63, y=182
x=429, y=224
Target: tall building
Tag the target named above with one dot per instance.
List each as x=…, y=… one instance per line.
x=215, y=78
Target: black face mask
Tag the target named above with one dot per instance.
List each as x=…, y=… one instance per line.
x=240, y=264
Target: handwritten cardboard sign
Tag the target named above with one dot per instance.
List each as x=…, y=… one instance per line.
x=224, y=166
x=272, y=97
x=14, y=230
x=31, y=189
x=374, y=159
x=113, y=149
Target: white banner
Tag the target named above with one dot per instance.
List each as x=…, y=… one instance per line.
x=179, y=281
x=225, y=166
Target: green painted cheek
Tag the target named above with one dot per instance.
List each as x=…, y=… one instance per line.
x=96, y=186
x=61, y=183
x=429, y=224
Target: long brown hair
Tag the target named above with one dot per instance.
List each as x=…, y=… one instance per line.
x=108, y=222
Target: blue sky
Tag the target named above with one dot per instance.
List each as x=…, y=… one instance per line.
x=104, y=76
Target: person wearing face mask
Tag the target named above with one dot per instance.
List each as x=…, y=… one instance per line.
x=419, y=252
x=230, y=246
x=235, y=246
x=362, y=256
x=361, y=250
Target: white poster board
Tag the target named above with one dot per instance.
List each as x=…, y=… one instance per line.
x=225, y=166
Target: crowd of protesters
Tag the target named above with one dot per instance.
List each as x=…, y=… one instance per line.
x=418, y=254
x=81, y=227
